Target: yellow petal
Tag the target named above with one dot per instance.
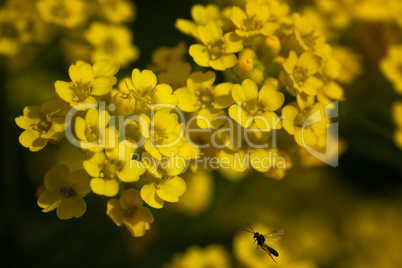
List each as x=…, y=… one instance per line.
x=238, y=16
x=163, y=95
x=143, y=80
x=131, y=171
x=267, y=121
x=238, y=114
x=185, y=26
x=79, y=182
x=114, y=211
x=233, y=43
x=209, y=33
x=269, y=28
x=310, y=62
x=71, y=208
x=271, y=98
x=171, y=189
x=290, y=62
x=49, y=201
x=148, y=194
x=188, y=101
x=304, y=100
x=31, y=139
x=199, y=81
x=106, y=187
x=246, y=92
x=289, y=113
x=64, y=90
x=200, y=54
x=130, y=199
x=260, y=160
x=223, y=95
x=223, y=62
x=305, y=137
x=215, y=117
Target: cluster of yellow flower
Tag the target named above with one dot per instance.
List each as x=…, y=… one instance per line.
x=391, y=67
x=95, y=35
x=141, y=135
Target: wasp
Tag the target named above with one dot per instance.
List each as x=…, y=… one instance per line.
x=261, y=239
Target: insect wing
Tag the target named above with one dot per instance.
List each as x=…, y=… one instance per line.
x=275, y=235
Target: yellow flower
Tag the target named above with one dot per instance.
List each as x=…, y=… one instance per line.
x=163, y=56
x=299, y=77
x=391, y=67
x=128, y=210
x=143, y=86
x=247, y=253
x=109, y=168
x=256, y=107
x=397, y=117
x=256, y=20
x=309, y=37
x=216, y=51
x=200, y=15
x=281, y=162
x=65, y=191
x=331, y=91
x=213, y=256
x=19, y=24
x=198, y=195
x=42, y=124
x=164, y=134
x=93, y=133
x=67, y=13
x=176, y=74
x=118, y=11
x=309, y=135
x=86, y=83
x=112, y=42
x=163, y=166
x=342, y=66
x=158, y=190
x=206, y=100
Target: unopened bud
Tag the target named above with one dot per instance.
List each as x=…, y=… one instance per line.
x=245, y=65
x=272, y=45
x=124, y=103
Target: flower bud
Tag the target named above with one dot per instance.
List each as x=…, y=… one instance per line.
x=125, y=103
x=245, y=64
x=272, y=45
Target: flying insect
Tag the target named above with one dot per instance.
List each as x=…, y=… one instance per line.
x=260, y=239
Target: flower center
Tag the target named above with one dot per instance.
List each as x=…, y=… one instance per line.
x=91, y=133
x=205, y=97
x=310, y=39
x=254, y=107
x=129, y=212
x=109, y=45
x=216, y=49
x=9, y=31
x=60, y=11
x=67, y=192
x=43, y=125
x=81, y=90
x=133, y=133
x=300, y=75
x=251, y=24
x=111, y=168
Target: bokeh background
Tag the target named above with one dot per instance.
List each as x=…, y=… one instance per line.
x=348, y=216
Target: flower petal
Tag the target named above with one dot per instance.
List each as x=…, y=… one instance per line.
x=148, y=194
x=171, y=189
